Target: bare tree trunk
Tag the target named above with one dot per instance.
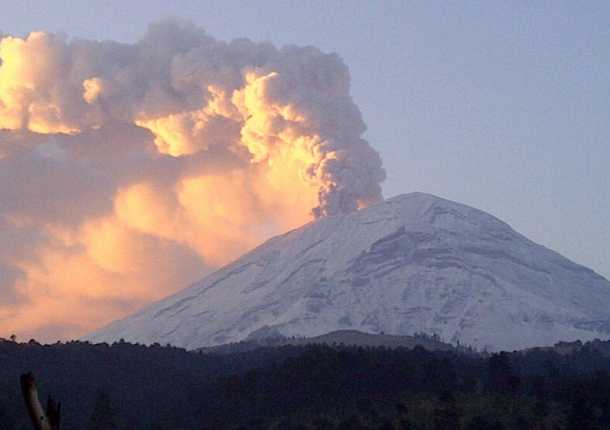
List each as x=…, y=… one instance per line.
x=40, y=420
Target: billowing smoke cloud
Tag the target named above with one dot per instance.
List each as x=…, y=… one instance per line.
x=130, y=170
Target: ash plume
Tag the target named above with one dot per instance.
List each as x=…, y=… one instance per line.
x=129, y=170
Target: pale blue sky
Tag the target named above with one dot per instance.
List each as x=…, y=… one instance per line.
x=501, y=105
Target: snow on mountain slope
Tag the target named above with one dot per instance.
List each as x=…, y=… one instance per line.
x=414, y=263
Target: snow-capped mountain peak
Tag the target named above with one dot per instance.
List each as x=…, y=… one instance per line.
x=414, y=263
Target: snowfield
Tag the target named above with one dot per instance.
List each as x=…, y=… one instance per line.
x=414, y=263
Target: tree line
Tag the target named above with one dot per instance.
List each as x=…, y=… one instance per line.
x=127, y=386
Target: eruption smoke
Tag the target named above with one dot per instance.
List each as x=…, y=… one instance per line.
x=127, y=171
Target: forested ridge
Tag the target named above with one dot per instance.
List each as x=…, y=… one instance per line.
x=126, y=386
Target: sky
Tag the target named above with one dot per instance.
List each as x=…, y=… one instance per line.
x=502, y=106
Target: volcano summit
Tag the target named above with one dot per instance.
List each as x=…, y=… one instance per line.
x=414, y=263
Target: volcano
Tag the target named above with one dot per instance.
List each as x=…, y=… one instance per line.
x=414, y=263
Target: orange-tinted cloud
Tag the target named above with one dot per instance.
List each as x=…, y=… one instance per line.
x=129, y=171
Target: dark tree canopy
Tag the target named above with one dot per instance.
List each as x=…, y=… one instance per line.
x=135, y=387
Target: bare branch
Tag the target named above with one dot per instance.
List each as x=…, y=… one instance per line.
x=40, y=420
